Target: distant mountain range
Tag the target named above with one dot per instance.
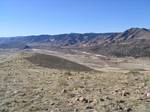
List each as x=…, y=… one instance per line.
x=133, y=42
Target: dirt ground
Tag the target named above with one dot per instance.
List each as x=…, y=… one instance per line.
x=29, y=87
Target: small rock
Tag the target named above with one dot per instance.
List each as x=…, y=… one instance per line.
x=69, y=78
x=126, y=93
x=83, y=100
x=76, y=99
x=129, y=110
x=116, y=90
x=148, y=94
x=15, y=92
x=52, y=103
x=120, y=101
x=24, y=101
x=75, y=110
x=101, y=99
x=49, y=82
x=89, y=107
x=93, y=102
x=64, y=91
x=94, y=110
x=70, y=103
x=141, y=98
x=108, y=98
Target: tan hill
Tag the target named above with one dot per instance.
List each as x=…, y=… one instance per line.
x=55, y=62
x=27, y=87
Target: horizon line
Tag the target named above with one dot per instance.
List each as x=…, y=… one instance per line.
x=46, y=34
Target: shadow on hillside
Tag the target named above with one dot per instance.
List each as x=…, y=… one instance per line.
x=50, y=61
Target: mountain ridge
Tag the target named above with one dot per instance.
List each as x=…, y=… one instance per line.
x=118, y=44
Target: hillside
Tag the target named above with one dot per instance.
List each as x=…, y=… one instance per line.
x=62, y=40
x=55, y=62
x=132, y=42
x=27, y=85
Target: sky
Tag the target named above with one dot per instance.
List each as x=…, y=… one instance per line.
x=34, y=17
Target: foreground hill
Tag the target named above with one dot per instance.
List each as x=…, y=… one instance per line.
x=29, y=87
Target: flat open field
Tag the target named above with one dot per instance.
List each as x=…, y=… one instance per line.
x=50, y=81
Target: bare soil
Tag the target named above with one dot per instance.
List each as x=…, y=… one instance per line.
x=27, y=86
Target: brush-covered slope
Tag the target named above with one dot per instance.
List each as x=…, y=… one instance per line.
x=133, y=42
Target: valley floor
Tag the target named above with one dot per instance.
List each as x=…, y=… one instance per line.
x=120, y=86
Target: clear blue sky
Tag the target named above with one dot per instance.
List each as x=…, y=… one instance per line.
x=30, y=17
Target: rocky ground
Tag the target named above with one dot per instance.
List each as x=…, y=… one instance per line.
x=29, y=87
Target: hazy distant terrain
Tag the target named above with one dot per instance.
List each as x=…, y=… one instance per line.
x=132, y=42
